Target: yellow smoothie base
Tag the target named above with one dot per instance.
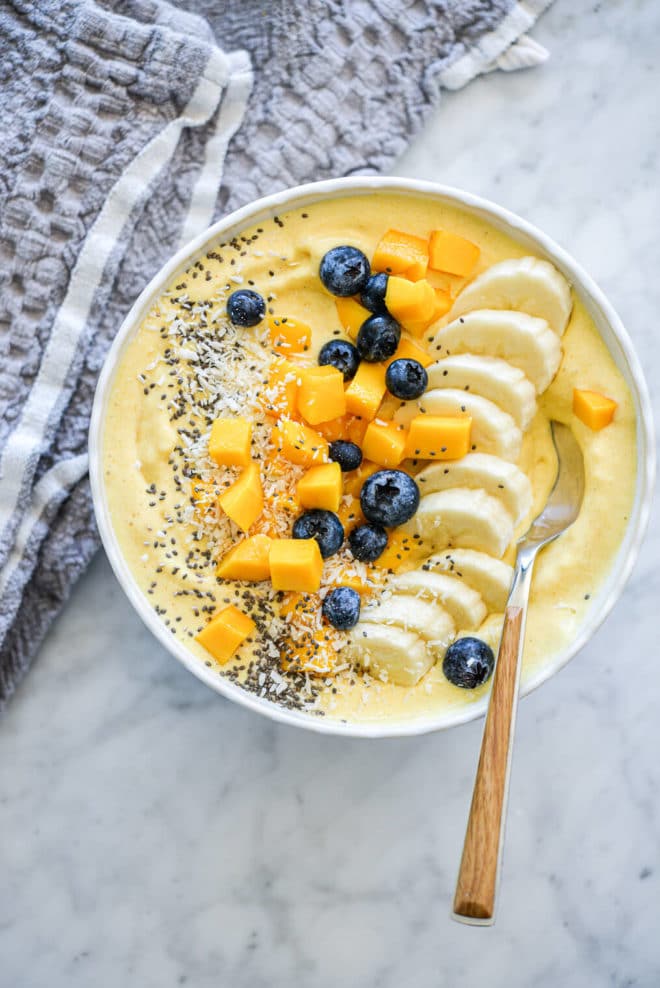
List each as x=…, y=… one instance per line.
x=282, y=261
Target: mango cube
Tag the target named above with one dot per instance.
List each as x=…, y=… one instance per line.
x=299, y=444
x=334, y=429
x=312, y=653
x=229, y=444
x=288, y=335
x=401, y=253
x=452, y=254
x=243, y=502
x=296, y=564
x=321, y=394
x=442, y=305
x=353, y=582
x=410, y=301
x=351, y=315
x=353, y=482
x=409, y=350
x=282, y=389
x=394, y=557
x=225, y=632
x=593, y=408
x=321, y=487
x=439, y=437
x=349, y=512
x=247, y=561
x=384, y=443
x=366, y=391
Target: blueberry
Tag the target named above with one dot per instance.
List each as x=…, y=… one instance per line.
x=373, y=296
x=245, y=307
x=347, y=455
x=324, y=526
x=344, y=271
x=389, y=497
x=378, y=338
x=342, y=355
x=367, y=542
x=468, y=663
x=406, y=379
x=341, y=608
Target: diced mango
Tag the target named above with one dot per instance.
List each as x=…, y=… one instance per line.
x=451, y=253
x=247, y=561
x=350, y=513
x=225, y=632
x=409, y=301
x=396, y=551
x=353, y=481
x=366, y=391
x=321, y=487
x=321, y=394
x=243, y=502
x=409, y=350
x=384, y=443
x=296, y=564
x=351, y=315
x=439, y=437
x=401, y=253
x=443, y=303
x=593, y=408
x=299, y=444
x=288, y=336
x=282, y=389
x=352, y=582
x=229, y=444
x=312, y=653
x=334, y=429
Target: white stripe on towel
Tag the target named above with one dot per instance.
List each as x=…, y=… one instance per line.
x=230, y=115
x=51, y=489
x=20, y=455
x=492, y=46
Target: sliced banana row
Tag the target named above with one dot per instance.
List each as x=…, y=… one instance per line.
x=500, y=350
x=525, y=284
x=401, y=635
x=522, y=340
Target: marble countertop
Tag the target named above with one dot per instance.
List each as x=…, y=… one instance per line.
x=153, y=834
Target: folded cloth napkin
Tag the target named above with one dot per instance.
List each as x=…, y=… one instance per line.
x=117, y=119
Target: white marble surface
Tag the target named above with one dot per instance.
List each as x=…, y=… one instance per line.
x=152, y=834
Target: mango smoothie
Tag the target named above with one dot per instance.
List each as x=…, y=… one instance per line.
x=328, y=433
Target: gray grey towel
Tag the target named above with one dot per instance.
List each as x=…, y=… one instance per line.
x=116, y=117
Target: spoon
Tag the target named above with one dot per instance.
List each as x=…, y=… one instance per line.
x=476, y=887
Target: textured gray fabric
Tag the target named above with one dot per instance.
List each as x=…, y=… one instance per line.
x=340, y=87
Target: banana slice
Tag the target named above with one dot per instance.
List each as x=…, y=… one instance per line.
x=490, y=377
x=525, y=341
x=463, y=603
x=462, y=517
x=425, y=617
x=495, y=476
x=493, y=431
x=490, y=577
x=393, y=654
x=526, y=284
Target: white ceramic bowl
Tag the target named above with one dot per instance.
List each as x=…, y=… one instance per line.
x=608, y=324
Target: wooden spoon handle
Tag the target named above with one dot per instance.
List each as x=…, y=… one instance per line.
x=476, y=888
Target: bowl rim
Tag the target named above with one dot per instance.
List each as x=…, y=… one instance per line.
x=518, y=228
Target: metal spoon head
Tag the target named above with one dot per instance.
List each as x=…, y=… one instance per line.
x=565, y=500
